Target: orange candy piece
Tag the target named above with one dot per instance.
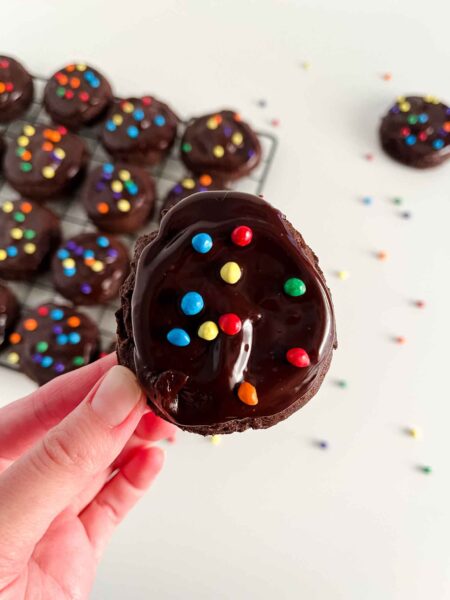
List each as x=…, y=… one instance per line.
x=102, y=208
x=70, y=68
x=47, y=146
x=26, y=155
x=15, y=338
x=30, y=324
x=205, y=180
x=73, y=321
x=52, y=135
x=447, y=126
x=75, y=83
x=26, y=207
x=247, y=393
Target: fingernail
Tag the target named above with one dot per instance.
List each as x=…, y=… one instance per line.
x=117, y=396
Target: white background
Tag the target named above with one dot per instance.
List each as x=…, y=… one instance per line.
x=268, y=514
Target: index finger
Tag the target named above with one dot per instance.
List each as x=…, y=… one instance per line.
x=25, y=421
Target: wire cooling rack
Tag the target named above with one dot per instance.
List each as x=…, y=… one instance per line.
x=74, y=219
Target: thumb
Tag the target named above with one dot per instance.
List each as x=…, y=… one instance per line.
x=38, y=486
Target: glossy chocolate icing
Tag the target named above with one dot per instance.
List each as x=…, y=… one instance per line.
x=139, y=130
x=53, y=339
x=195, y=386
x=416, y=131
x=29, y=232
x=90, y=268
x=77, y=95
x=9, y=312
x=16, y=89
x=44, y=160
x=221, y=144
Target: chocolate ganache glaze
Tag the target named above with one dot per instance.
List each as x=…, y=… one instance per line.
x=226, y=318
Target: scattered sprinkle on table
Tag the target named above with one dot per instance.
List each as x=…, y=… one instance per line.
x=406, y=214
x=387, y=76
x=215, y=440
x=368, y=156
x=368, y=200
x=382, y=255
x=414, y=432
x=275, y=122
x=426, y=469
x=306, y=65
x=420, y=303
x=342, y=383
x=397, y=200
x=322, y=444
x=343, y=275
x=262, y=103
x=400, y=340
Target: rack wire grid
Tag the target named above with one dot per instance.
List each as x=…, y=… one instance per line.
x=74, y=219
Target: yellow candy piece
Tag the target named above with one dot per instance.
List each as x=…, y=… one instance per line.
x=123, y=205
x=231, y=272
x=212, y=123
x=13, y=358
x=48, y=172
x=188, y=183
x=124, y=175
x=208, y=331
x=16, y=233
x=116, y=186
x=97, y=266
x=404, y=106
x=81, y=67
x=127, y=107
x=117, y=119
x=218, y=151
x=23, y=141
x=3, y=254
x=29, y=130
x=30, y=248
x=237, y=138
x=68, y=263
x=7, y=206
x=59, y=153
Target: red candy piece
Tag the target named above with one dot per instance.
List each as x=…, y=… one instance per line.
x=422, y=136
x=42, y=311
x=9, y=86
x=298, y=357
x=405, y=131
x=69, y=94
x=84, y=96
x=242, y=236
x=230, y=323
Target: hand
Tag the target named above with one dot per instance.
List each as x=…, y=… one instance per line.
x=74, y=459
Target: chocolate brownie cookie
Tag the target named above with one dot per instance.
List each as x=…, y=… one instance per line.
x=77, y=95
x=43, y=161
x=119, y=198
x=16, y=89
x=53, y=339
x=226, y=318
x=416, y=131
x=190, y=185
x=29, y=233
x=139, y=130
x=90, y=268
x=220, y=144
x=9, y=312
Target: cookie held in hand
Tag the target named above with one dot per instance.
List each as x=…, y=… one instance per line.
x=226, y=318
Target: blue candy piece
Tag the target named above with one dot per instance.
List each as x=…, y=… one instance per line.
x=56, y=314
x=132, y=188
x=438, y=144
x=178, y=337
x=138, y=114
x=46, y=361
x=132, y=131
x=202, y=243
x=159, y=120
x=74, y=337
x=12, y=251
x=192, y=303
x=102, y=241
x=70, y=272
x=62, y=339
x=63, y=253
x=111, y=126
x=411, y=140
x=108, y=168
x=423, y=118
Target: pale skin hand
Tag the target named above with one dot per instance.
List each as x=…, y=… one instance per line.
x=75, y=456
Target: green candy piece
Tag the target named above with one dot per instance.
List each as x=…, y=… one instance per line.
x=20, y=151
x=412, y=119
x=78, y=361
x=19, y=217
x=41, y=346
x=186, y=147
x=29, y=234
x=60, y=91
x=26, y=167
x=294, y=287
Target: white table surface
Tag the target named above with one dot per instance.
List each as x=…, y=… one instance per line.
x=268, y=514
